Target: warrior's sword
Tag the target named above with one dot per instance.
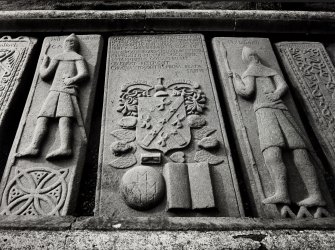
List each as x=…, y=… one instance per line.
x=79, y=117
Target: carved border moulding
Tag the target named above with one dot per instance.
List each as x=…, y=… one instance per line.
x=284, y=176
x=43, y=170
x=312, y=76
x=14, y=58
x=164, y=149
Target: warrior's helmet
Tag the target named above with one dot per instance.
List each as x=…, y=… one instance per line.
x=248, y=54
x=71, y=43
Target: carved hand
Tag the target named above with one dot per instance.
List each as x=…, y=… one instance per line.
x=69, y=80
x=272, y=96
x=46, y=60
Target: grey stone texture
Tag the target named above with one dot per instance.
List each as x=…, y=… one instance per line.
x=137, y=240
x=49, y=149
x=162, y=80
x=277, y=157
x=15, y=59
x=311, y=74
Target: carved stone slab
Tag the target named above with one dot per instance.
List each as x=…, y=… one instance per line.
x=312, y=76
x=43, y=170
x=14, y=57
x=161, y=111
x=283, y=173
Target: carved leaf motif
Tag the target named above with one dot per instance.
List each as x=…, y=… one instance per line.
x=124, y=135
x=199, y=134
x=124, y=161
x=205, y=156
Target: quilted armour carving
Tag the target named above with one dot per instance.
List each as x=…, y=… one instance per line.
x=35, y=191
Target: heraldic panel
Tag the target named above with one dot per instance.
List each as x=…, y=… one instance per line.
x=43, y=170
x=164, y=148
x=286, y=177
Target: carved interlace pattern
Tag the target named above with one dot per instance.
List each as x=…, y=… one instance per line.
x=35, y=191
x=314, y=73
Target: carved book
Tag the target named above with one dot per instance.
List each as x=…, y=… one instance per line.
x=164, y=148
x=44, y=167
x=312, y=76
x=282, y=171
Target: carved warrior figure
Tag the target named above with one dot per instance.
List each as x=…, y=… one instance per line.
x=277, y=129
x=67, y=69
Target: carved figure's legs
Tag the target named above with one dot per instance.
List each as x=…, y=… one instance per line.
x=274, y=161
x=39, y=133
x=308, y=174
x=65, y=133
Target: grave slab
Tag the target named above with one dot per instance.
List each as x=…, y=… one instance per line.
x=162, y=87
x=311, y=74
x=44, y=167
x=15, y=58
x=284, y=176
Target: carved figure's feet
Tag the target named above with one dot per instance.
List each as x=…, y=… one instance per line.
x=59, y=153
x=277, y=198
x=29, y=152
x=313, y=200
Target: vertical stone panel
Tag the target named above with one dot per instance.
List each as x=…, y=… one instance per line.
x=44, y=167
x=161, y=109
x=312, y=76
x=282, y=171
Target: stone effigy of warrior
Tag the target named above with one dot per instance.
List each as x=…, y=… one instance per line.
x=67, y=69
x=277, y=129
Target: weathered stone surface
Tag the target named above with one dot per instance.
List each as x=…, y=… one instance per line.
x=312, y=75
x=177, y=186
x=142, y=187
x=120, y=147
x=15, y=54
x=208, y=143
x=196, y=121
x=162, y=81
x=128, y=122
x=200, y=186
x=178, y=157
x=191, y=239
x=70, y=65
x=270, y=136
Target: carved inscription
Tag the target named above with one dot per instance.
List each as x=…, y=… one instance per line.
x=279, y=144
x=43, y=169
x=313, y=76
x=163, y=92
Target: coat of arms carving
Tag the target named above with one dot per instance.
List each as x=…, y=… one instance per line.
x=161, y=112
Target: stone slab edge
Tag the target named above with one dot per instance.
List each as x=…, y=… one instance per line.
x=133, y=21
x=158, y=224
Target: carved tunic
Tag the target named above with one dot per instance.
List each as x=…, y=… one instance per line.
x=59, y=102
x=276, y=126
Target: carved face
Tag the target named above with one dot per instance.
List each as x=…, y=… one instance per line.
x=70, y=44
x=249, y=55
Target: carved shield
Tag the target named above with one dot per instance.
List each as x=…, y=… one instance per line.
x=162, y=123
